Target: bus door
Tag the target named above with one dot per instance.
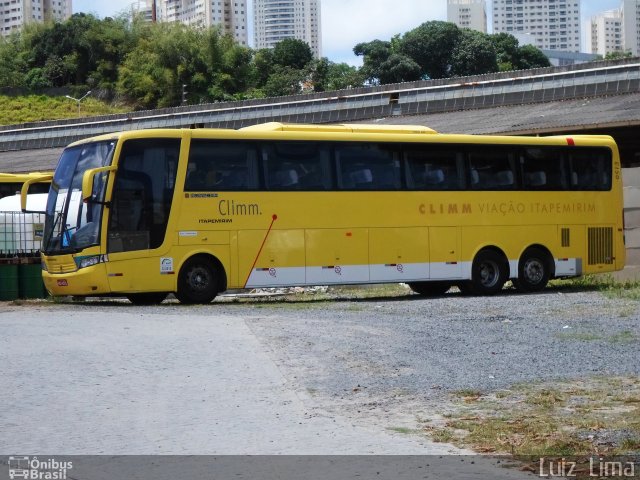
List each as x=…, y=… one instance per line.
x=140, y=206
x=444, y=253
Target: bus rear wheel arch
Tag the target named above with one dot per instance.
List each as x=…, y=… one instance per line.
x=201, y=278
x=489, y=272
x=535, y=268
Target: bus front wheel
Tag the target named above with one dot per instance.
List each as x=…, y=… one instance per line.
x=430, y=289
x=534, y=270
x=489, y=272
x=197, y=281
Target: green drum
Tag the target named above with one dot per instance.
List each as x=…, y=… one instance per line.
x=30, y=281
x=8, y=282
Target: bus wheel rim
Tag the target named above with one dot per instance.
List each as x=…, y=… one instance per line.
x=199, y=279
x=489, y=274
x=534, y=271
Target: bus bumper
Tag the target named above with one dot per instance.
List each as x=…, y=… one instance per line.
x=84, y=282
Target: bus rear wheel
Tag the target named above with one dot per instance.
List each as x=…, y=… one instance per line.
x=534, y=270
x=489, y=272
x=197, y=281
x=430, y=289
x=151, y=298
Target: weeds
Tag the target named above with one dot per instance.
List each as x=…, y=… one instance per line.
x=595, y=416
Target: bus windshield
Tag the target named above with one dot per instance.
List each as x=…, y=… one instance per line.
x=72, y=225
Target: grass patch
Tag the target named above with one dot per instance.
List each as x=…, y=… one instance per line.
x=598, y=416
x=623, y=337
x=36, y=108
x=605, y=284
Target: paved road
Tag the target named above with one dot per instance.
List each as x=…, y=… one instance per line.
x=122, y=381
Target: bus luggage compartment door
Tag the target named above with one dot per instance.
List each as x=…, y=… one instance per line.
x=444, y=253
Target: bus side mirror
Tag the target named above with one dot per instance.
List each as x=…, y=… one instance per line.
x=87, y=181
x=25, y=190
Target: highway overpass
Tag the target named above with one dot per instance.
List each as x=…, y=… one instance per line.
x=601, y=97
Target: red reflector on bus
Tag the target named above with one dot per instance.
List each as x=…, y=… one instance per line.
x=571, y=142
x=62, y=283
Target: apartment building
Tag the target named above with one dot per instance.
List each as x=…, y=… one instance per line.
x=231, y=15
x=616, y=30
x=275, y=20
x=14, y=14
x=552, y=24
x=604, y=34
x=631, y=26
x=468, y=14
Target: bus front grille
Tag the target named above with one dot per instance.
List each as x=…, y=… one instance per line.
x=600, y=245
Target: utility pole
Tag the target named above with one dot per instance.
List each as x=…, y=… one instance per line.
x=153, y=11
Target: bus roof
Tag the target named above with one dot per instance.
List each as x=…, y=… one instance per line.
x=339, y=128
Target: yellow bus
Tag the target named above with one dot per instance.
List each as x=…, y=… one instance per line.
x=143, y=214
x=11, y=183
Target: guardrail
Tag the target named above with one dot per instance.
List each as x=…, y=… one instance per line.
x=541, y=85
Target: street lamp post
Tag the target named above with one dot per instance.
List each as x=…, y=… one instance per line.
x=78, y=100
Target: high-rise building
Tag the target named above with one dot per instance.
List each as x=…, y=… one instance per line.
x=14, y=14
x=616, y=30
x=275, y=20
x=605, y=33
x=631, y=25
x=554, y=24
x=468, y=14
x=231, y=15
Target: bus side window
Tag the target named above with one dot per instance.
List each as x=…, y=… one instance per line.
x=368, y=167
x=430, y=168
x=296, y=166
x=216, y=165
x=542, y=168
x=590, y=170
x=491, y=169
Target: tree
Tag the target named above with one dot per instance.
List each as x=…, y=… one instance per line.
x=473, y=55
x=431, y=46
x=263, y=66
x=342, y=75
x=618, y=54
x=374, y=54
x=399, y=68
x=531, y=57
x=284, y=81
x=506, y=47
x=293, y=53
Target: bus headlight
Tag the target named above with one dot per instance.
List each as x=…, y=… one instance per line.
x=84, y=262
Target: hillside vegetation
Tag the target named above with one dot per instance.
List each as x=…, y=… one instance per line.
x=36, y=108
x=144, y=65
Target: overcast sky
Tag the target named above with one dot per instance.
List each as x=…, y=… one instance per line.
x=348, y=22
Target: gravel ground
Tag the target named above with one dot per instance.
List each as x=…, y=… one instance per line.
x=395, y=360
x=371, y=366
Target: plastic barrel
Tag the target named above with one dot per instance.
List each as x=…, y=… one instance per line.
x=30, y=284
x=8, y=282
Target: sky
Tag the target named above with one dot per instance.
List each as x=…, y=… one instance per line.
x=346, y=23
